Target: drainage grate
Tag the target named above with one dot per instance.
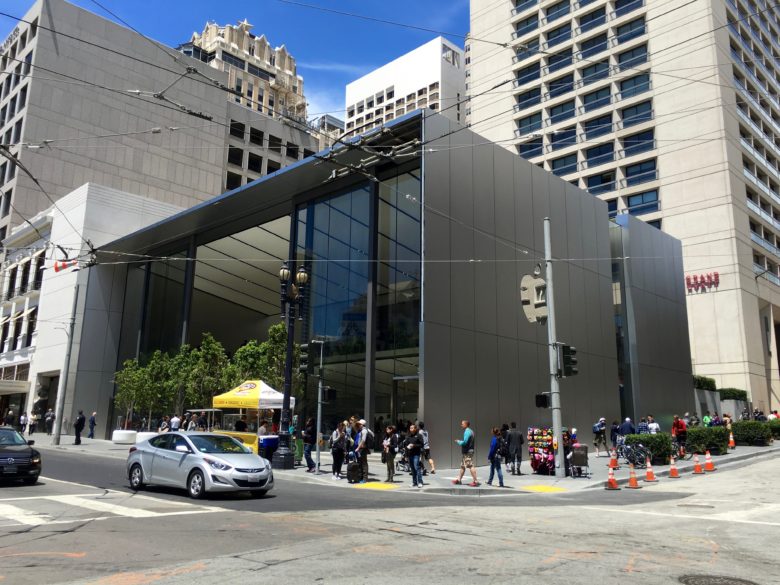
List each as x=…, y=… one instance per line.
x=713, y=580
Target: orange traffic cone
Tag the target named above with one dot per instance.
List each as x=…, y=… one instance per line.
x=673, y=473
x=611, y=483
x=632, y=483
x=697, y=470
x=732, y=444
x=650, y=476
x=613, y=462
x=708, y=465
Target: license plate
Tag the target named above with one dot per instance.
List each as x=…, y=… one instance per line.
x=254, y=478
x=10, y=469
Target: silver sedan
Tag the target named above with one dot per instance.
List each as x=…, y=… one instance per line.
x=200, y=463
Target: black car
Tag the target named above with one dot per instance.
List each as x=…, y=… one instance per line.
x=18, y=460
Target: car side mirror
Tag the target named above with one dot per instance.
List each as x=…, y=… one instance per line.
x=31, y=443
x=183, y=449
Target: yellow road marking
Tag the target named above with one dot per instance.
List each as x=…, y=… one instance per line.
x=543, y=489
x=375, y=485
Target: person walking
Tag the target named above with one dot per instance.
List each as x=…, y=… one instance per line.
x=338, y=448
x=32, y=423
x=515, y=442
x=309, y=442
x=389, y=450
x=165, y=425
x=78, y=426
x=49, y=421
x=642, y=428
x=600, y=435
x=361, y=448
x=192, y=424
x=175, y=422
x=23, y=422
x=467, y=454
x=627, y=428
x=680, y=433
x=652, y=425
x=426, y=452
x=92, y=423
x=614, y=431
x=9, y=419
x=414, y=447
x=494, y=457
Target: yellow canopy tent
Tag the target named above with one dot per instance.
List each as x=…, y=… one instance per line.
x=251, y=394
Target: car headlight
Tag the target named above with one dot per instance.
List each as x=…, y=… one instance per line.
x=217, y=464
x=35, y=460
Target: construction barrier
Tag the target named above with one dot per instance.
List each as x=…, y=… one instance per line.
x=632, y=482
x=697, y=470
x=613, y=462
x=732, y=443
x=649, y=475
x=708, y=465
x=673, y=473
x=611, y=483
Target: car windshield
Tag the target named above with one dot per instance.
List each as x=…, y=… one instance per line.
x=9, y=437
x=210, y=444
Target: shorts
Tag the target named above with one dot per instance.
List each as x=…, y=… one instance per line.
x=426, y=454
x=466, y=461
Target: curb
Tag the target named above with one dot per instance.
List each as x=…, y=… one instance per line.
x=733, y=458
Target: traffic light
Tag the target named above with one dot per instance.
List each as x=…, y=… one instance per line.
x=303, y=359
x=542, y=401
x=569, y=361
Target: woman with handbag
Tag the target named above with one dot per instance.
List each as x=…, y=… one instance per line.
x=338, y=448
x=389, y=449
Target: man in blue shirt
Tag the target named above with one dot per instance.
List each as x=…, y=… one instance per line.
x=467, y=454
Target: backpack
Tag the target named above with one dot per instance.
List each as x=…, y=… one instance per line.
x=597, y=428
x=502, y=449
x=369, y=440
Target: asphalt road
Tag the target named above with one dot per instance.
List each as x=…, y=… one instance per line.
x=295, y=495
x=82, y=524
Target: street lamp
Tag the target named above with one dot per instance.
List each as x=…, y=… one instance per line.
x=292, y=302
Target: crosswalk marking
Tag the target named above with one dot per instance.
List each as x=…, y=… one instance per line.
x=22, y=516
x=103, y=506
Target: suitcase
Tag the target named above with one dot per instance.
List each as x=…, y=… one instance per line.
x=354, y=473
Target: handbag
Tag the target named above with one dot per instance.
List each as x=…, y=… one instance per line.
x=384, y=457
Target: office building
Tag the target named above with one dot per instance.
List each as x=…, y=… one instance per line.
x=669, y=112
x=42, y=294
x=431, y=76
x=97, y=102
x=417, y=302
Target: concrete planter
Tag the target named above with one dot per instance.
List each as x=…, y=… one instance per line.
x=124, y=437
x=145, y=436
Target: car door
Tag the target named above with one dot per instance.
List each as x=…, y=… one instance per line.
x=169, y=464
x=146, y=455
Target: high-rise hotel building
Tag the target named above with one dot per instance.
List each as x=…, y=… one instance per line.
x=669, y=111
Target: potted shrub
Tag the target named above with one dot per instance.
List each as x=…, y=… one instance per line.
x=752, y=432
x=774, y=427
x=712, y=439
x=660, y=445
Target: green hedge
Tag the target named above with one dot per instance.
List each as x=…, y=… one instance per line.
x=660, y=444
x=704, y=383
x=733, y=394
x=774, y=426
x=712, y=439
x=752, y=432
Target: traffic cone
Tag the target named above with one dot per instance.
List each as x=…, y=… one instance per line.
x=650, y=476
x=673, y=473
x=697, y=470
x=632, y=483
x=708, y=465
x=613, y=462
x=611, y=483
x=732, y=444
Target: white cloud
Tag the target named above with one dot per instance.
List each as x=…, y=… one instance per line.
x=322, y=102
x=347, y=68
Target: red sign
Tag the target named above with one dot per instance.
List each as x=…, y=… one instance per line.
x=702, y=282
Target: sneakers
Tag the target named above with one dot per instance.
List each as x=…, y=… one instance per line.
x=489, y=483
x=433, y=471
x=413, y=485
x=419, y=485
x=473, y=484
x=335, y=476
x=456, y=482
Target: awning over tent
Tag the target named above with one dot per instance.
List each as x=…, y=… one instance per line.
x=251, y=394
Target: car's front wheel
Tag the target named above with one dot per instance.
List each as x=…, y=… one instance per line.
x=196, y=484
x=136, y=477
x=30, y=480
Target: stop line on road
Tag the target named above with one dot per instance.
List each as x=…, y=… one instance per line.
x=51, y=509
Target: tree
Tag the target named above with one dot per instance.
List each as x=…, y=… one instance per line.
x=157, y=394
x=132, y=382
x=207, y=370
x=177, y=388
x=274, y=354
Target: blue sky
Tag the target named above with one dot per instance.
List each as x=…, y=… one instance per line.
x=331, y=50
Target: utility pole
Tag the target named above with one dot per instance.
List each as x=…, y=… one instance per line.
x=58, y=405
x=552, y=345
x=319, y=398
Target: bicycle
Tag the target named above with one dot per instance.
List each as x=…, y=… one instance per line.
x=636, y=455
x=680, y=450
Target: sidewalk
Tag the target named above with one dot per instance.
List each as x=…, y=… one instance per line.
x=441, y=481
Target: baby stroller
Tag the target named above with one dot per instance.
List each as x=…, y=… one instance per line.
x=578, y=461
x=402, y=463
